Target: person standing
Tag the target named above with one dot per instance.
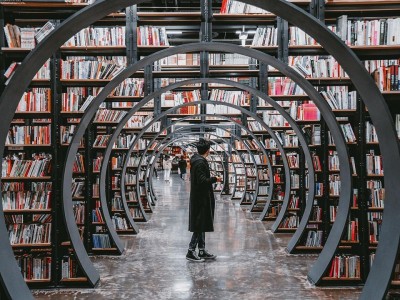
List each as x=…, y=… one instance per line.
x=182, y=164
x=202, y=202
x=167, y=165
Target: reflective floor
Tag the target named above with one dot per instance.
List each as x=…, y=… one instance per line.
x=251, y=263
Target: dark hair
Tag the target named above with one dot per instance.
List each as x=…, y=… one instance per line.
x=203, y=146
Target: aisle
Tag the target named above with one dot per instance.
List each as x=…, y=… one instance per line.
x=251, y=263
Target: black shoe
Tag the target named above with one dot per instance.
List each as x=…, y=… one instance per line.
x=204, y=254
x=192, y=256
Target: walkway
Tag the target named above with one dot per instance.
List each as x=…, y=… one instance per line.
x=251, y=263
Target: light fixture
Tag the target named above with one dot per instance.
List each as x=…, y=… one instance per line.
x=243, y=36
x=174, y=32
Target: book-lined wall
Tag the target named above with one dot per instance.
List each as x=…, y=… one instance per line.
x=83, y=73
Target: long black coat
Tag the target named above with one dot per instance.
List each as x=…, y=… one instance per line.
x=182, y=164
x=202, y=201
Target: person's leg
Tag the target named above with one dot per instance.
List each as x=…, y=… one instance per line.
x=194, y=241
x=191, y=254
x=203, y=253
x=202, y=241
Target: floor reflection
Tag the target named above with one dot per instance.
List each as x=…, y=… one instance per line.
x=251, y=263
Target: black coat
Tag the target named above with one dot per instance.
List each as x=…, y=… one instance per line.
x=202, y=201
x=182, y=166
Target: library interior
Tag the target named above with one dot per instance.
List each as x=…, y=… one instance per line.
x=124, y=123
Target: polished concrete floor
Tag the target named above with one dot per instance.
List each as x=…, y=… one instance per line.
x=251, y=263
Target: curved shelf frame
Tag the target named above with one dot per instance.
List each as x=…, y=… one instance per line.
x=385, y=259
x=183, y=136
x=137, y=186
x=142, y=132
x=286, y=70
x=196, y=133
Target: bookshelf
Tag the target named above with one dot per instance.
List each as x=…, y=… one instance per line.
x=366, y=93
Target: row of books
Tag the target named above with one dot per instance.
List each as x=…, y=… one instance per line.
x=387, y=78
x=97, y=216
x=13, y=200
x=333, y=161
x=89, y=69
x=79, y=213
x=287, y=138
x=69, y=267
x=116, y=202
x=345, y=266
x=79, y=164
x=367, y=32
x=124, y=141
x=77, y=187
x=294, y=180
x=26, y=38
x=291, y=221
x=376, y=198
x=239, y=98
x=25, y=135
x=279, y=86
x=29, y=233
x=98, y=36
x=101, y=140
x=237, y=7
x=340, y=98
x=152, y=36
x=352, y=231
x=374, y=164
x=136, y=212
x=316, y=214
x=374, y=226
x=294, y=201
x=34, y=267
x=262, y=190
x=293, y=159
x=265, y=36
x=25, y=168
x=370, y=133
x=35, y=100
x=334, y=185
x=301, y=111
x=317, y=66
x=101, y=241
x=314, y=238
x=109, y=115
x=120, y=223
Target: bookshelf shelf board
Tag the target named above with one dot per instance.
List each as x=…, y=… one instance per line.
x=32, y=114
x=28, y=145
x=375, y=175
x=124, y=98
x=395, y=282
x=269, y=218
x=41, y=245
x=314, y=222
x=286, y=229
x=349, y=242
x=43, y=178
x=47, y=280
x=293, y=209
x=104, y=249
x=274, y=200
x=76, y=279
x=41, y=4
x=29, y=211
x=98, y=223
x=376, y=208
x=309, y=248
x=124, y=230
x=18, y=50
x=342, y=278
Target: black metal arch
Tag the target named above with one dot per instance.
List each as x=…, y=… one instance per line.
x=285, y=162
x=337, y=134
x=294, y=125
x=390, y=236
x=204, y=126
x=210, y=126
x=196, y=133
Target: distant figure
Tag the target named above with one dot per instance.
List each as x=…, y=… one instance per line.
x=182, y=164
x=155, y=172
x=202, y=202
x=167, y=165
